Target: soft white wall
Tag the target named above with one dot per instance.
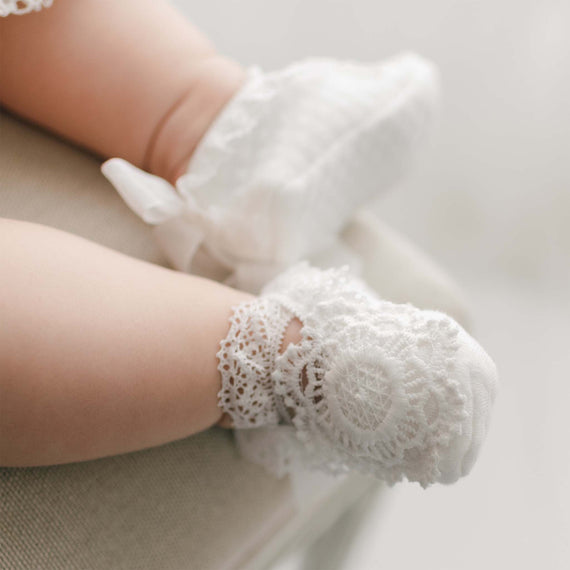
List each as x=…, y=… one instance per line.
x=492, y=203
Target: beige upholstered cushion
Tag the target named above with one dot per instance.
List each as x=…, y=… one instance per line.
x=191, y=504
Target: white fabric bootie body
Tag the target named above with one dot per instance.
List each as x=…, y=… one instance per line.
x=286, y=163
x=372, y=386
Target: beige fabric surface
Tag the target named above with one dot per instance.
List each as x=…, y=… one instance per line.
x=191, y=504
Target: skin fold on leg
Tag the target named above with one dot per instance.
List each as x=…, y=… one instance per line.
x=131, y=79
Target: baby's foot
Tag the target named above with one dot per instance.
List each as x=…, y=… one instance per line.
x=372, y=386
x=286, y=163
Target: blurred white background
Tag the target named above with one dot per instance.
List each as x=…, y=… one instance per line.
x=491, y=202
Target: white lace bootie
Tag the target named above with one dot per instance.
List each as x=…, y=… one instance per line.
x=372, y=386
x=285, y=165
x=19, y=7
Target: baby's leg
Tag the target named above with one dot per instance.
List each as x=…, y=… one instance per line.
x=101, y=353
x=132, y=79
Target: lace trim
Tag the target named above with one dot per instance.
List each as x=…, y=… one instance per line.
x=246, y=360
x=19, y=7
x=234, y=123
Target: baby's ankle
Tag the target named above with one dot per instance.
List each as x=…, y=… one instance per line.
x=213, y=83
x=292, y=334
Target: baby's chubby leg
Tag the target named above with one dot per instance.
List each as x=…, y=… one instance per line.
x=101, y=353
x=132, y=79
